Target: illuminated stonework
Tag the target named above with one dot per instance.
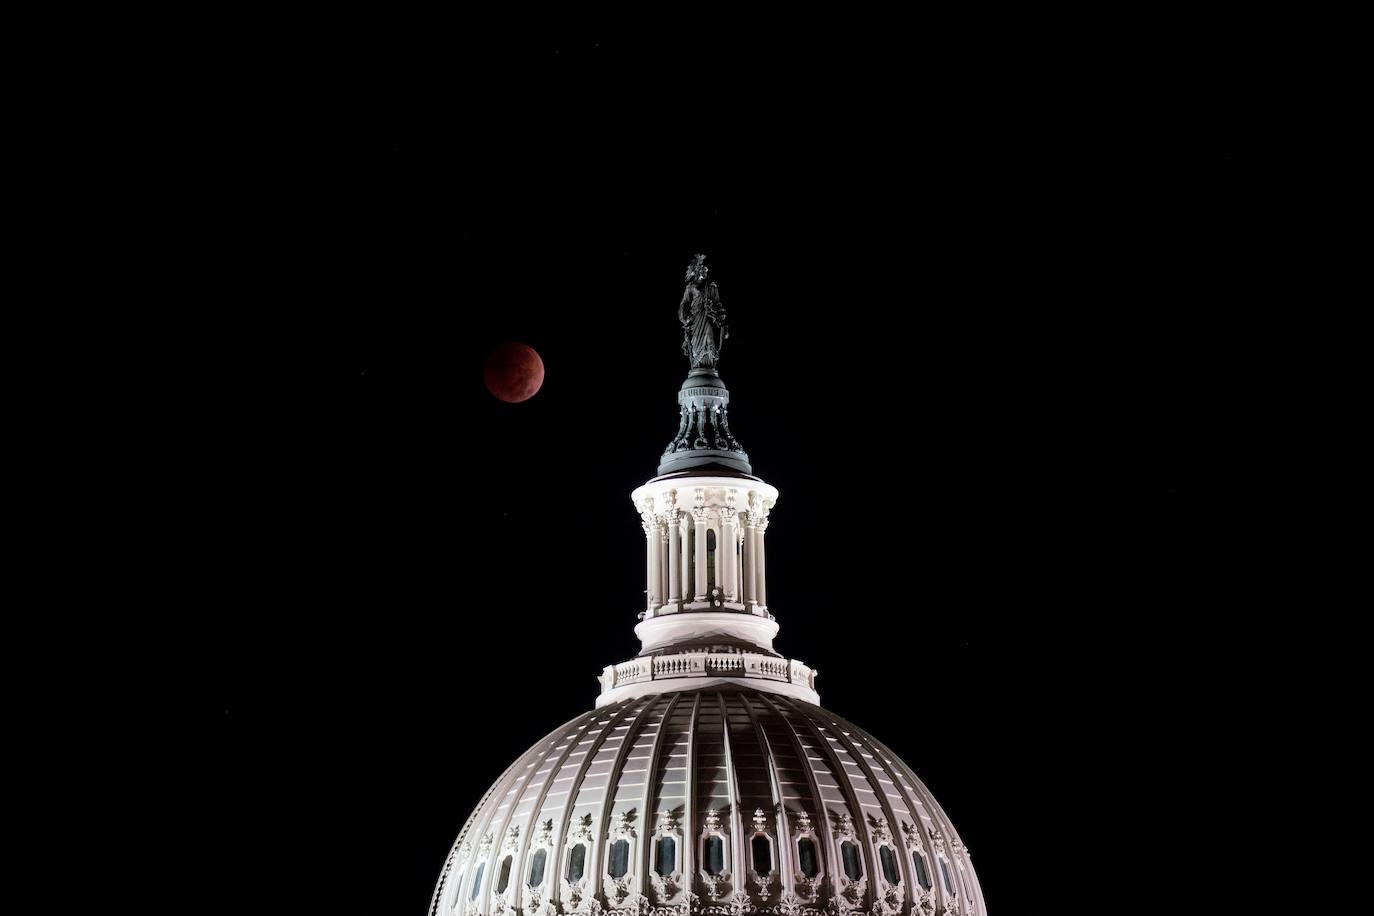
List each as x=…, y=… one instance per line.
x=708, y=779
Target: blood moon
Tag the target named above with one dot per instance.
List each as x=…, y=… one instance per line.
x=514, y=372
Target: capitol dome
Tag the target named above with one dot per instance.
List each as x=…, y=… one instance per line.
x=708, y=779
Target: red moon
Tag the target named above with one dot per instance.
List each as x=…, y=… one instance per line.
x=514, y=372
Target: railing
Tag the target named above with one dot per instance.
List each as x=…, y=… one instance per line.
x=704, y=664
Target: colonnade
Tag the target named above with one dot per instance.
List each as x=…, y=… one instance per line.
x=707, y=556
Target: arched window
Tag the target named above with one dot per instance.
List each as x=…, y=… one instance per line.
x=537, y=868
x=762, y=849
x=503, y=879
x=944, y=873
x=849, y=854
x=665, y=863
x=577, y=862
x=889, y=864
x=620, y=859
x=922, y=873
x=710, y=560
x=715, y=855
x=477, y=881
x=807, y=860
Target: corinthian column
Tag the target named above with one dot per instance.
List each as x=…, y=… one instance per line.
x=674, y=518
x=747, y=558
x=761, y=588
x=700, y=514
x=650, y=562
x=726, y=546
x=739, y=561
x=661, y=535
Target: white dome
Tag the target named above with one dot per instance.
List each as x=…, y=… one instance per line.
x=772, y=804
x=708, y=779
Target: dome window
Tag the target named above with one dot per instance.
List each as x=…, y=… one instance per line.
x=889, y=863
x=944, y=873
x=714, y=851
x=807, y=860
x=918, y=860
x=537, y=868
x=849, y=856
x=577, y=862
x=503, y=879
x=762, y=848
x=715, y=855
x=477, y=881
x=620, y=859
x=665, y=863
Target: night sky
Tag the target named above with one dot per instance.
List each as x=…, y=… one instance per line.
x=965, y=326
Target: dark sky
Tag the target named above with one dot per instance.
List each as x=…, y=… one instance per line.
x=967, y=319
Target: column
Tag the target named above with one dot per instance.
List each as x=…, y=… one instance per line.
x=761, y=589
x=747, y=556
x=650, y=554
x=674, y=559
x=688, y=585
x=663, y=571
x=739, y=562
x=726, y=547
x=700, y=554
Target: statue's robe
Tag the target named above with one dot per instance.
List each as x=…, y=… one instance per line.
x=703, y=336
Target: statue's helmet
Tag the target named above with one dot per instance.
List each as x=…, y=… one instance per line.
x=697, y=270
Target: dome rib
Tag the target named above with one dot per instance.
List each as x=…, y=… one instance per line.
x=929, y=809
x=613, y=782
x=650, y=770
x=778, y=813
x=441, y=888
x=846, y=788
x=732, y=793
x=512, y=805
x=537, y=809
x=815, y=808
x=577, y=787
x=894, y=824
x=689, y=791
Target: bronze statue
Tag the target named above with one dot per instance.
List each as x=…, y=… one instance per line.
x=702, y=316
